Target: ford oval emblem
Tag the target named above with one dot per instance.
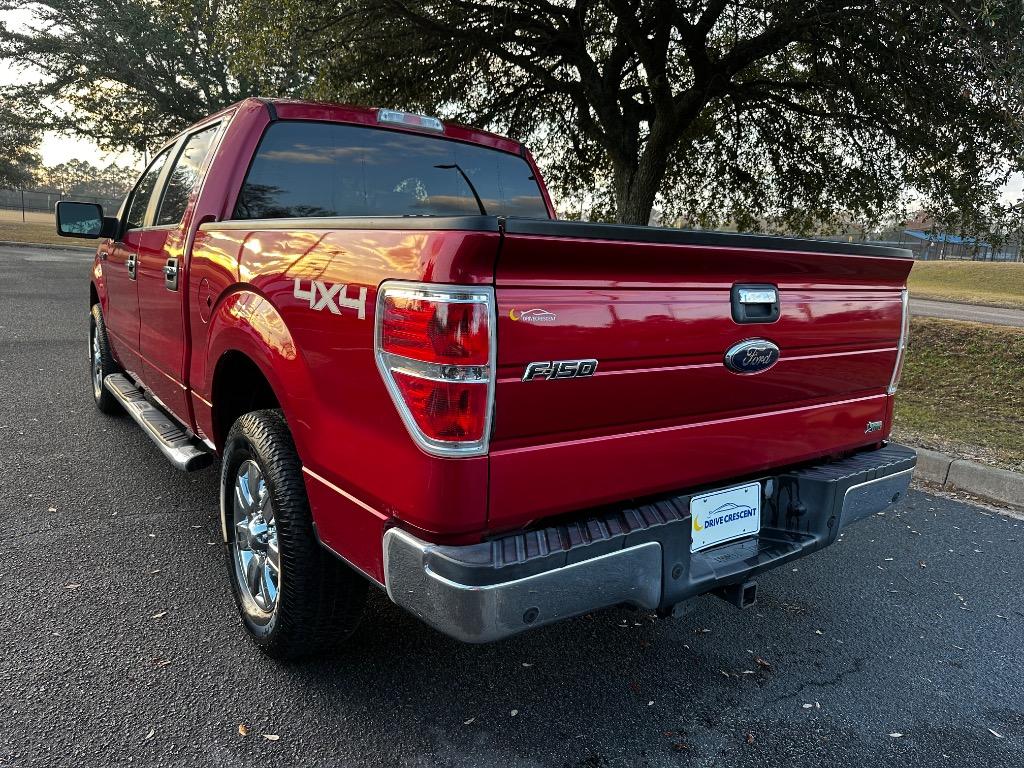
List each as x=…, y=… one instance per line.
x=752, y=356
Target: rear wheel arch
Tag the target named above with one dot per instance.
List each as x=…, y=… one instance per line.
x=251, y=363
x=239, y=387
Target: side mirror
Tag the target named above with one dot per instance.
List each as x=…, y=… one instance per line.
x=84, y=220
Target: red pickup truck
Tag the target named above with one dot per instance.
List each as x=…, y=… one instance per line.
x=415, y=376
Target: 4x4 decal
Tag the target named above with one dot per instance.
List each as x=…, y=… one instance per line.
x=330, y=296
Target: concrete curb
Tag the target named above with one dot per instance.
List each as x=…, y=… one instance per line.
x=48, y=246
x=997, y=485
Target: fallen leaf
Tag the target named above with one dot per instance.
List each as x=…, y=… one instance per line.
x=158, y=615
x=996, y=734
x=515, y=712
x=818, y=632
x=750, y=738
x=52, y=509
x=271, y=736
x=807, y=706
x=527, y=664
x=72, y=586
x=650, y=703
x=762, y=663
x=467, y=722
x=243, y=729
x=896, y=735
x=150, y=734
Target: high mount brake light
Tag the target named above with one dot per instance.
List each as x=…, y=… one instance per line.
x=435, y=350
x=410, y=120
x=901, y=352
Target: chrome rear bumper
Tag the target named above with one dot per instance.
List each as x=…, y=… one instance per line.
x=637, y=556
x=481, y=613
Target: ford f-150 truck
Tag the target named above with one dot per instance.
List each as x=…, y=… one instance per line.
x=415, y=376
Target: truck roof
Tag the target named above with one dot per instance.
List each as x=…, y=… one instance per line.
x=325, y=111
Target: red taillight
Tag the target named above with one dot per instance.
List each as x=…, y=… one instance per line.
x=434, y=331
x=435, y=350
x=445, y=410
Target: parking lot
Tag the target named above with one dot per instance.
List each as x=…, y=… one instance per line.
x=119, y=642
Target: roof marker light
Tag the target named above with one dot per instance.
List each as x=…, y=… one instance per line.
x=409, y=120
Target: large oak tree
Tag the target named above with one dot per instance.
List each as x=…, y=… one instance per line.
x=783, y=114
x=757, y=111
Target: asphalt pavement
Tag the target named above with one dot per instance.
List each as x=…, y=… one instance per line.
x=974, y=313
x=119, y=643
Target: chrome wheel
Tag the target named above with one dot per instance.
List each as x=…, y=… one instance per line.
x=97, y=363
x=257, y=558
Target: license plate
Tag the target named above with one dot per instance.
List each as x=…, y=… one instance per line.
x=724, y=515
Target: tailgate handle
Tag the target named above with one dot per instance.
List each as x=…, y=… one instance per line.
x=755, y=303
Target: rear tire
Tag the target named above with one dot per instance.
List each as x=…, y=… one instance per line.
x=101, y=362
x=295, y=598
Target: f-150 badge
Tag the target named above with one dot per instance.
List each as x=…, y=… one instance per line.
x=559, y=369
x=330, y=296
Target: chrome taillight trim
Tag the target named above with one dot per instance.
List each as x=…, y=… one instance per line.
x=902, y=349
x=388, y=362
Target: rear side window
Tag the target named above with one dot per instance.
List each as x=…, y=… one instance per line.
x=144, y=191
x=182, y=179
x=329, y=169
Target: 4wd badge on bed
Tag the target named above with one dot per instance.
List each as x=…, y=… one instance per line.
x=330, y=296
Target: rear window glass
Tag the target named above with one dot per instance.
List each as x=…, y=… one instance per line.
x=329, y=169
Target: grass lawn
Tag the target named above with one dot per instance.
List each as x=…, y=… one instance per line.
x=36, y=232
x=973, y=282
x=962, y=393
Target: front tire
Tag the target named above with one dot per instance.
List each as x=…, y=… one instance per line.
x=101, y=362
x=295, y=598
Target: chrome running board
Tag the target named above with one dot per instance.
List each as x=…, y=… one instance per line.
x=174, y=443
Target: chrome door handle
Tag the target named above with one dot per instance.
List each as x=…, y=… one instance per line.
x=130, y=263
x=171, y=275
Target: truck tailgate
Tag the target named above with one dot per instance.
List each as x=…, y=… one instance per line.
x=663, y=411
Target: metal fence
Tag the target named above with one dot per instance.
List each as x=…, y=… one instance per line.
x=943, y=246
x=43, y=200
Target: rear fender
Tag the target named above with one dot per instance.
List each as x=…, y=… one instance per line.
x=246, y=322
